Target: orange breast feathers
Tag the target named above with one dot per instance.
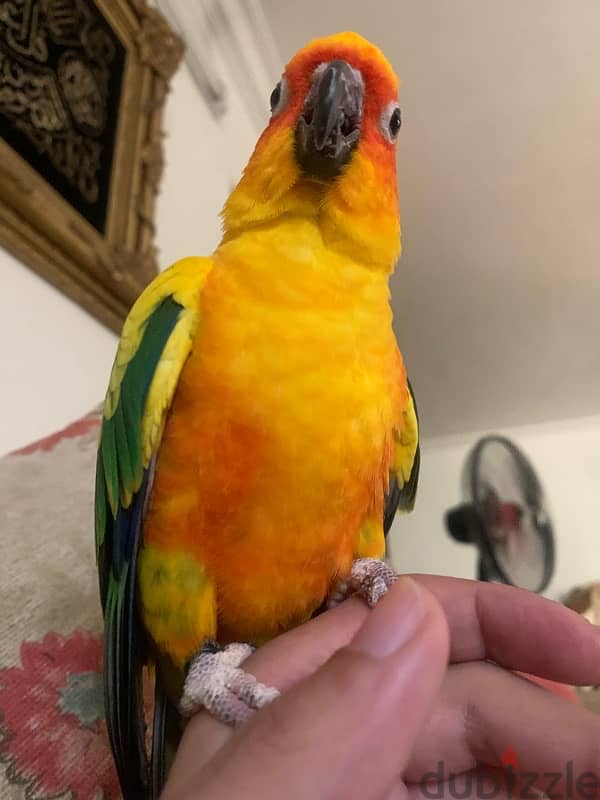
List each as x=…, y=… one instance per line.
x=280, y=439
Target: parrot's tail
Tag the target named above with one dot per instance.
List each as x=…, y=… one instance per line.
x=123, y=681
x=125, y=653
x=159, y=724
x=166, y=733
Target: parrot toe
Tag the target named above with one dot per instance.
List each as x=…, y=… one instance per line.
x=216, y=682
x=339, y=594
x=370, y=578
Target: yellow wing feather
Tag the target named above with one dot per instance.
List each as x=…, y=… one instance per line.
x=406, y=443
x=182, y=281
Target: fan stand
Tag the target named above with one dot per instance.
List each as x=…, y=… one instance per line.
x=486, y=571
x=462, y=523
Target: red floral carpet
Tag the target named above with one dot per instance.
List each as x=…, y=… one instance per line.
x=53, y=719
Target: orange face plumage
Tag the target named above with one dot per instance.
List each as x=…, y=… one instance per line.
x=348, y=78
x=329, y=150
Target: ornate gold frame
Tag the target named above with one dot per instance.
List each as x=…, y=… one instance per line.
x=104, y=274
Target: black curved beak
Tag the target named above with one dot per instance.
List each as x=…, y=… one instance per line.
x=329, y=128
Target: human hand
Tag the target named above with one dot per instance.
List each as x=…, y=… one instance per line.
x=360, y=725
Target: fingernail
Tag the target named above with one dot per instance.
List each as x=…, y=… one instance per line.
x=392, y=622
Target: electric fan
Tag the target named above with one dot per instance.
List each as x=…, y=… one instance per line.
x=504, y=516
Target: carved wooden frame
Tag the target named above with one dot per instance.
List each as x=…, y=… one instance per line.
x=104, y=274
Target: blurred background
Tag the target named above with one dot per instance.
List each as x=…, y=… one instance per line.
x=497, y=293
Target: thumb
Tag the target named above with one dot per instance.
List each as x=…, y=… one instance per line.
x=348, y=730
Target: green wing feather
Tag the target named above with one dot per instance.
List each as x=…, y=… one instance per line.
x=156, y=340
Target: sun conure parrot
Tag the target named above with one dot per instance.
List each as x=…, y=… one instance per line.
x=259, y=430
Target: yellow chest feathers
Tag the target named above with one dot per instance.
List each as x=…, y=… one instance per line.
x=280, y=442
x=303, y=336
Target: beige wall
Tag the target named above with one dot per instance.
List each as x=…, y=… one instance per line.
x=54, y=358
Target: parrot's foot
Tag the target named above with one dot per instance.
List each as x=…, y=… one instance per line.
x=216, y=682
x=370, y=578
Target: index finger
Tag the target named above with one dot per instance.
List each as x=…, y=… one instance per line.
x=514, y=628
x=517, y=629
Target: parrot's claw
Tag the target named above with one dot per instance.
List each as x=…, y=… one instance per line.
x=370, y=578
x=339, y=594
x=216, y=682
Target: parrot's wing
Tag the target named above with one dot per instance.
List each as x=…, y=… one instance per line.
x=156, y=340
x=405, y=475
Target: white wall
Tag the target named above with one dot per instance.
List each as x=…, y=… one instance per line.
x=54, y=357
x=566, y=457
x=204, y=160
x=498, y=167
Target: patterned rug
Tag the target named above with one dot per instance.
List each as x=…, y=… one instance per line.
x=53, y=741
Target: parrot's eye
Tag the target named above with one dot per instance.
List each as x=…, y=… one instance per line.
x=391, y=121
x=279, y=97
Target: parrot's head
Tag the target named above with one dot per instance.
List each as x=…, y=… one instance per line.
x=329, y=151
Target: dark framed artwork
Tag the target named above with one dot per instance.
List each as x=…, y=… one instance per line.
x=82, y=91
